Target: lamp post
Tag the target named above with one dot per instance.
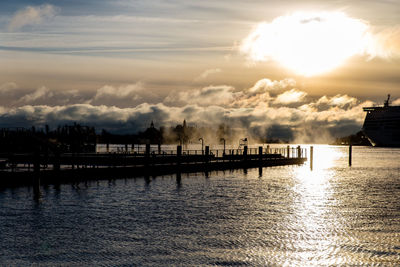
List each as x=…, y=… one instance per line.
x=202, y=145
x=223, y=139
x=243, y=142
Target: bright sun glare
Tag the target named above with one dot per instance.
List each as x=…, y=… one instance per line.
x=308, y=43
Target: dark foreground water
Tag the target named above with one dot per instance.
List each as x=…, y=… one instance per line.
x=281, y=216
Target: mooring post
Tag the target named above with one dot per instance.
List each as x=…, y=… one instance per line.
x=244, y=151
x=178, y=179
x=36, y=174
x=207, y=153
x=298, y=152
x=350, y=154
x=311, y=157
x=288, y=151
x=260, y=152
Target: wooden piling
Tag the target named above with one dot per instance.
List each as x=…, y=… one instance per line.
x=207, y=153
x=311, y=157
x=350, y=154
x=56, y=164
x=36, y=162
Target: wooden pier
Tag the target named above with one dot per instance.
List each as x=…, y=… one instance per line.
x=27, y=168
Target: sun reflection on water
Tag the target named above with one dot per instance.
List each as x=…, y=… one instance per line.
x=312, y=204
x=326, y=156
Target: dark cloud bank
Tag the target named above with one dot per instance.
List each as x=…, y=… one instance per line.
x=269, y=109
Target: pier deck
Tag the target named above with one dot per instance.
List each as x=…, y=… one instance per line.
x=25, y=169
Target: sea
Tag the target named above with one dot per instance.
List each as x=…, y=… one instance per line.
x=331, y=215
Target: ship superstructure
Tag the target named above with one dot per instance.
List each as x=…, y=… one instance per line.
x=382, y=125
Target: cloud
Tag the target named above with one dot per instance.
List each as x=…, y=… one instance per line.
x=285, y=122
x=308, y=43
x=289, y=97
x=396, y=102
x=265, y=84
x=41, y=96
x=211, y=95
x=385, y=43
x=41, y=93
x=31, y=15
x=124, y=95
x=128, y=91
x=311, y=43
x=337, y=100
x=291, y=115
x=7, y=87
x=207, y=73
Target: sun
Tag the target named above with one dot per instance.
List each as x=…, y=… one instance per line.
x=309, y=43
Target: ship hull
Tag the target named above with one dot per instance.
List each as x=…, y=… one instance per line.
x=383, y=138
x=382, y=126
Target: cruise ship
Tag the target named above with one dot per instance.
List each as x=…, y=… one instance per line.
x=382, y=125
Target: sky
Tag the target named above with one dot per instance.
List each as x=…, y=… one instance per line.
x=300, y=70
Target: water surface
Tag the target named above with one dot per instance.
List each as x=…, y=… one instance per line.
x=279, y=216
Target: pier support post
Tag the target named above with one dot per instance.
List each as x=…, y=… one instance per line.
x=350, y=154
x=288, y=152
x=108, y=147
x=267, y=152
x=245, y=151
x=311, y=157
x=207, y=153
x=36, y=162
x=260, y=152
x=298, y=152
x=159, y=148
x=56, y=164
x=178, y=154
x=147, y=150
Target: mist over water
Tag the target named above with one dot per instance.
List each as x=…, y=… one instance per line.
x=278, y=216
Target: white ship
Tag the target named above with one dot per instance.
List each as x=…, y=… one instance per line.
x=382, y=125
